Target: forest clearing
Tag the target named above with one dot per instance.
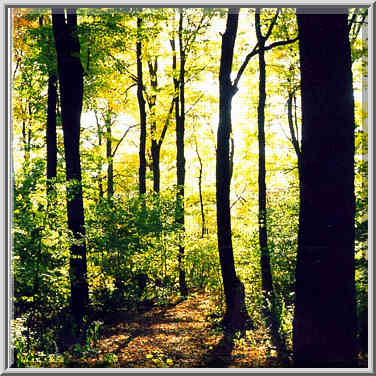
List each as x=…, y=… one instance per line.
x=189, y=188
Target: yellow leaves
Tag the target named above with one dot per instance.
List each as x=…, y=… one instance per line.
x=149, y=356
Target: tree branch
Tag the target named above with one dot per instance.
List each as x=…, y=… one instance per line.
x=164, y=130
x=122, y=138
x=272, y=24
x=254, y=52
x=280, y=43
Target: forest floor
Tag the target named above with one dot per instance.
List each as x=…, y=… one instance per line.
x=179, y=335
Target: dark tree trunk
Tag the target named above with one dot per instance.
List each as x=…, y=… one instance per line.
x=71, y=89
x=26, y=140
x=292, y=127
x=266, y=274
x=180, y=159
x=110, y=161
x=51, y=131
x=236, y=315
x=155, y=155
x=155, y=147
x=203, y=221
x=51, y=142
x=142, y=110
x=100, y=162
x=325, y=315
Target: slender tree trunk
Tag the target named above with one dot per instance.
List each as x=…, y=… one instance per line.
x=270, y=309
x=267, y=281
x=155, y=155
x=180, y=159
x=236, y=316
x=203, y=222
x=142, y=110
x=26, y=140
x=270, y=302
x=110, y=161
x=325, y=312
x=294, y=136
x=100, y=161
x=51, y=141
x=71, y=89
x=155, y=147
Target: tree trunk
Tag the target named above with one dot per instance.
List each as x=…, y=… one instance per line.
x=270, y=303
x=155, y=155
x=155, y=148
x=26, y=139
x=100, y=161
x=294, y=136
x=51, y=142
x=203, y=221
x=51, y=131
x=266, y=274
x=110, y=161
x=325, y=315
x=180, y=159
x=236, y=316
x=142, y=110
x=71, y=89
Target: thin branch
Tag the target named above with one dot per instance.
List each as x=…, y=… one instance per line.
x=254, y=52
x=122, y=138
x=194, y=104
x=239, y=198
x=164, y=130
x=293, y=139
x=272, y=24
x=15, y=69
x=280, y=43
x=353, y=18
x=359, y=24
x=123, y=66
x=296, y=119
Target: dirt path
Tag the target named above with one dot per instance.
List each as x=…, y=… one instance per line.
x=179, y=336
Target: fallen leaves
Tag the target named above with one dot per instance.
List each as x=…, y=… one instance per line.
x=180, y=336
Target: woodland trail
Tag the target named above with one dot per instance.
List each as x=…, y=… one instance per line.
x=177, y=336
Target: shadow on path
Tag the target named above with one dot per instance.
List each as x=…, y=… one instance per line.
x=220, y=355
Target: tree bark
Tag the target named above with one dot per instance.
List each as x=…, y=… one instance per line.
x=325, y=316
x=294, y=136
x=110, y=160
x=236, y=316
x=51, y=141
x=180, y=159
x=100, y=161
x=203, y=221
x=71, y=89
x=155, y=148
x=142, y=110
x=267, y=281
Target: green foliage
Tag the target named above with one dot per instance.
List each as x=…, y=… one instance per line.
x=128, y=238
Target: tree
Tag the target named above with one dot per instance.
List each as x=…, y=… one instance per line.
x=70, y=73
x=325, y=320
x=141, y=104
x=51, y=129
x=266, y=272
x=236, y=315
x=51, y=141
